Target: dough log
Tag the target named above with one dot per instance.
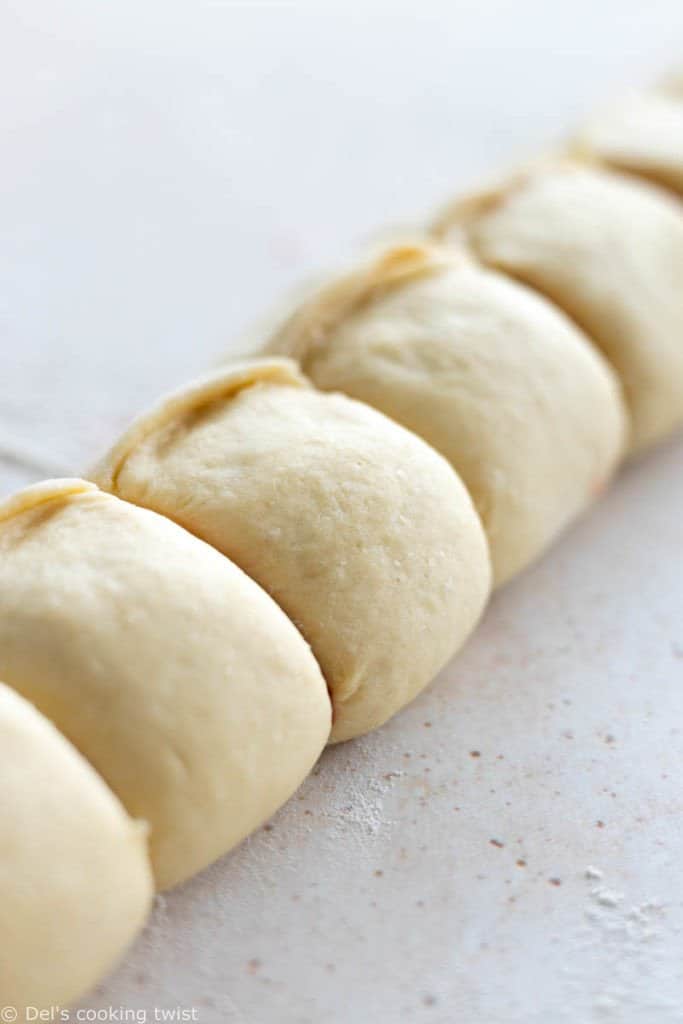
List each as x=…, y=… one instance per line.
x=158, y=695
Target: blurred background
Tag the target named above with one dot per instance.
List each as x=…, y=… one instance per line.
x=168, y=169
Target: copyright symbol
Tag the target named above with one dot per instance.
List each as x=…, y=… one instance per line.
x=8, y=1014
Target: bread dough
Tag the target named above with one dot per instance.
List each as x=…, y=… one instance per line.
x=641, y=132
x=362, y=533
x=608, y=249
x=177, y=677
x=75, y=879
x=486, y=371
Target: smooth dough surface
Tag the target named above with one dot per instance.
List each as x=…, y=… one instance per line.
x=486, y=371
x=607, y=249
x=362, y=533
x=75, y=878
x=175, y=675
x=641, y=132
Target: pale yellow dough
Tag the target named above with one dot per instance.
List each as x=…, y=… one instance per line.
x=608, y=250
x=362, y=533
x=487, y=372
x=176, y=676
x=75, y=879
x=641, y=132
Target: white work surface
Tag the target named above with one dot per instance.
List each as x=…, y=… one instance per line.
x=508, y=850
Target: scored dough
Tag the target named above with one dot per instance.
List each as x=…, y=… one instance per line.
x=178, y=678
x=641, y=132
x=75, y=879
x=362, y=533
x=484, y=370
x=606, y=248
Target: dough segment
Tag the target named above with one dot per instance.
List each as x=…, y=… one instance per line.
x=487, y=372
x=363, y=534
x=640, y=132
x=75, y=878
x=176, y=676
x=608, y=250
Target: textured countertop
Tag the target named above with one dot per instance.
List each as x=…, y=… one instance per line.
x=508, y=850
